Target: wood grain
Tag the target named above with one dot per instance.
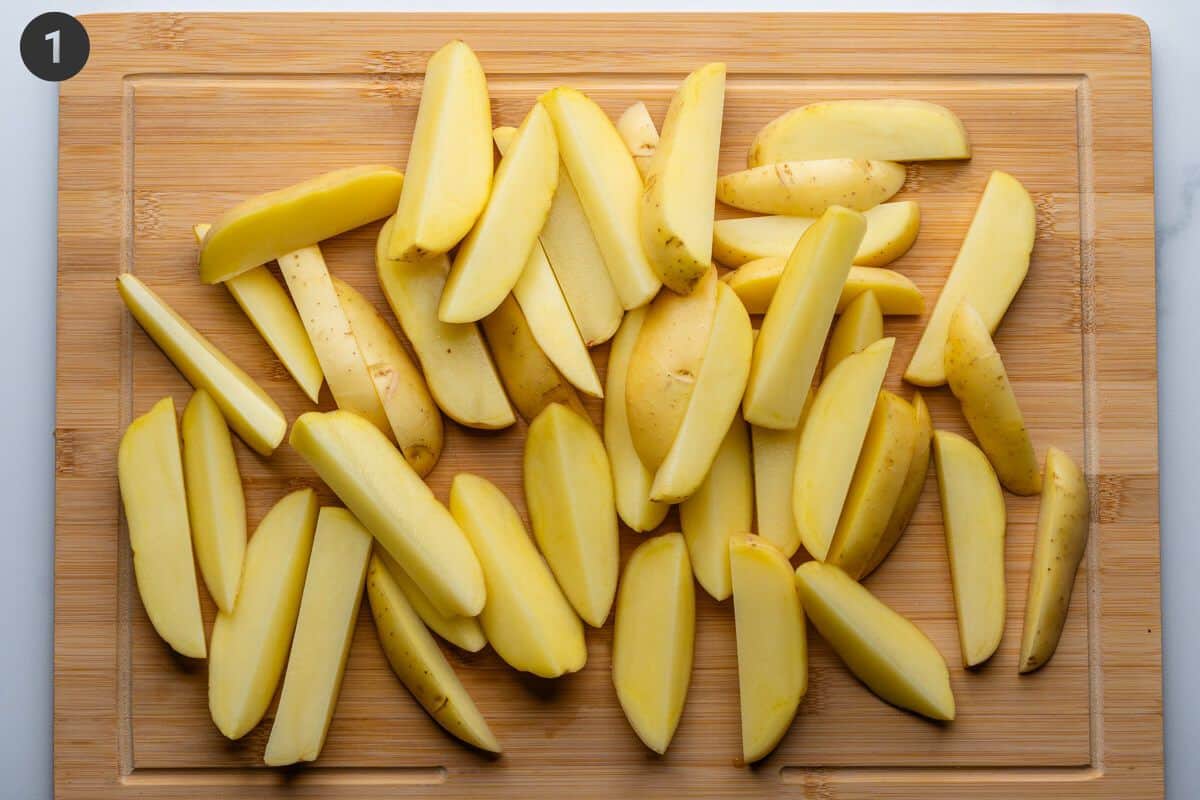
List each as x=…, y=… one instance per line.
x=178, y=116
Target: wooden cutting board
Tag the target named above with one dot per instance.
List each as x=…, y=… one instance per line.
x=178, y=116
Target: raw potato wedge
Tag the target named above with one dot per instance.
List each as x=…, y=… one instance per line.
x=774, y=454
x=676, y=218
x=251, y=413
x=250, y=646
x=891, y=230
x=755, y=282
x=332, y=336
x=910, y=492
x=463, y=632
x=267, y=305
x=978, y=379
x=150, y=473
x=569, y=493
x=450, y=158
x=891, y=129
x=831, y=441
x=858, y=326
x=638, y=131
x=883, y=649
x=333, y=588
x=527, y=618
x=370, y=476
x=810, y=188
x=875, y=488
x=263, y=228
x=216, y=504
x=1062, y=533
x=609, y=187
x=494, y=253
x=990, y=268
x=772, y=645
x=974, y=516
x=531, y=379
x=631, y=479
x=720, y=508
x=454, y=359
x=653, y=639
x=720, y=384
x=793, y=330
x=415, y=658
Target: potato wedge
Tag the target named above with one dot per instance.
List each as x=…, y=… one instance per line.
x=251, y=413
x=793, y=330
x=978, y=379
x=527, y=617
x=653, y=638
x=250, y=646
x=910, y=492
x=631, y=478
x=454, y=359
x=810, y=188
x=676, y=219
x=569, y=493
x=858, y=326
x=370, y=476
x=462, y=632
x=720, y=384
x=263, y=228
x=883, y=649
x=720, y=508
x=449, y=160
x=1062, y=534
x=150, y=473
x=974, y=516
x=990, y=268
x=875, y=488
x=891, y=130
x=491, y=258
x=774, y=454
x=772, y=644
x=609, y=187
x=755, y=282
x=891, y=230
x=415, y=658
x=333, y=588
x=831, y=442
x=640, y=134
x=216, y=504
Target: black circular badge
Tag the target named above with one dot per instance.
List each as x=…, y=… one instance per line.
x=55, y=46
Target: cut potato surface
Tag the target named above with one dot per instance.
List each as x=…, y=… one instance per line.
x=637, y=129
x=463, y=632
x=755, y=283
x=774, y=468
x=809, y=188
x=910, y=492
x=858, y=326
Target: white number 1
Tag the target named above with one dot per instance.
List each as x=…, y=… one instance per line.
x=53, y=37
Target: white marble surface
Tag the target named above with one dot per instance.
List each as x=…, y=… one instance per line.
x=27, y=219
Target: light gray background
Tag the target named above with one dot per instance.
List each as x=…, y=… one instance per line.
x=28, y=142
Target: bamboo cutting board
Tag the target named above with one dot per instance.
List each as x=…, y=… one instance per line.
x=176, y=117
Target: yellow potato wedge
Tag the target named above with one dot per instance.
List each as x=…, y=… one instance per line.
x=653, y=638
x=462, y=632
x=251, y=413
x=990, y=268
x=978, y=379
x=415, y=658
x=449, y=160
x=370, y=476
x=263, y=228
x=831, y=442
x=774, y=454
x=150, y=472
x=883, y=649
x=875, y=488
x=755, y=282
x=333, y=588
x=793, y=331
x=638, y=131
x=676, y=219
x=569, y=493
x=609, y=187
x=720, y=508
x=974, y=516
x=858, y=326
x=810, y=188
x=1062, y=534
x=527, y=618
x=216, y=504
x=890, y=129
x=910, y=492
x=250, y=646
x=772, y=644
x=454, y=359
